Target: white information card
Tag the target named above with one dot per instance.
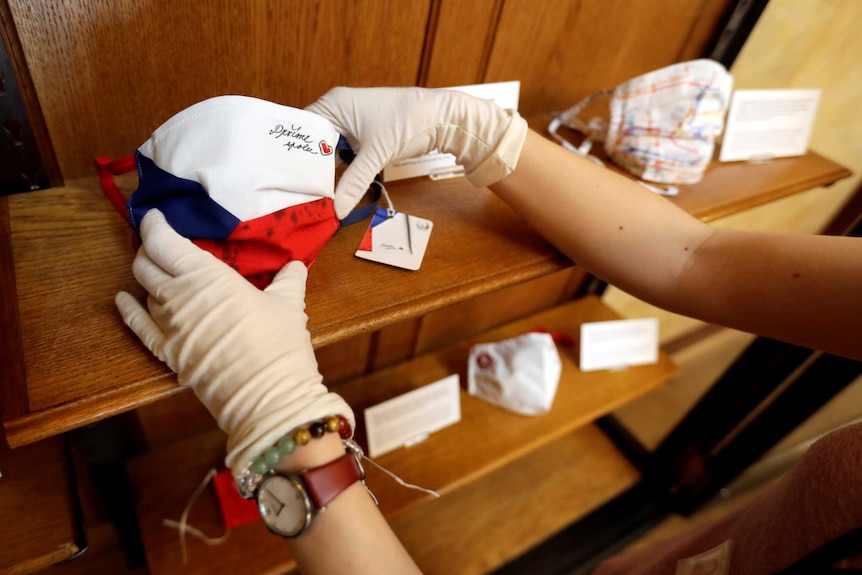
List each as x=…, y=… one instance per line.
x=618, y=344
x=411, y=417
x=766, y=124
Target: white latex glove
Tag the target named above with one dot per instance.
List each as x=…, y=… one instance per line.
x=246, y=353
x=387, y=124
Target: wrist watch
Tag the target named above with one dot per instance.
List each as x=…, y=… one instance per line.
x=289, y=501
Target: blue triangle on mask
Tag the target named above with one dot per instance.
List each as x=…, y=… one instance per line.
x=185, y=203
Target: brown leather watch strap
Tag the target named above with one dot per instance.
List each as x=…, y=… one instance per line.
x=324, y=483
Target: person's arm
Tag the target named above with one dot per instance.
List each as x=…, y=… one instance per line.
x=247, y=355
x=804, y=289
x=351, y=535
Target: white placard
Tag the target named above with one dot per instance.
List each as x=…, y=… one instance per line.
x=618, y=344
x=411, y=417
x=504, y=94
x=765, y=124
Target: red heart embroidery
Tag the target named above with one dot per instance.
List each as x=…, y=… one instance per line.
x=324, y=148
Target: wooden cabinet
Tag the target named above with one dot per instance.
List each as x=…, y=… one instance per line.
x=102, y=74
x=72, y=362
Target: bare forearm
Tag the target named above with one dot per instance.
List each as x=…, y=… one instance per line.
x=351, y=535
x=648, y=247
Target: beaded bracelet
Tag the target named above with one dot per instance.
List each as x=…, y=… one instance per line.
x=288, y=443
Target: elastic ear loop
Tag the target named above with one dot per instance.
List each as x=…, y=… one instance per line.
x=106, y=169
x=570, y=119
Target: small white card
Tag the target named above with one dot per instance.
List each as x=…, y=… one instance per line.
x=618, y=344
x=409, y=418
x=437, y=165
x=396, y=239
x=765, y=124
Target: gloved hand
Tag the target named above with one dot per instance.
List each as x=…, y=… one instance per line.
x=387, y=124
x=246, y=353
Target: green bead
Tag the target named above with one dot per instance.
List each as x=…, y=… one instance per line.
x=286, y=445
x=259, y=466
x=271, y=456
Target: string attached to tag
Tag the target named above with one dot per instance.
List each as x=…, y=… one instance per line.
x=184, y=528
x=356, y=449
x=395, y=238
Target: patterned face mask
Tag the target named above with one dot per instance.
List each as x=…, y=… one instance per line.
x=250, y=181
x=662, y=125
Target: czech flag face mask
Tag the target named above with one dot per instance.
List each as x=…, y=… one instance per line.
x=250, y=181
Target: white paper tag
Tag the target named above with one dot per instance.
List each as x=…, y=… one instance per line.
x=765, y=124
x=619, y=343
x=437, y=165
x=396, y=239
x=411, y=417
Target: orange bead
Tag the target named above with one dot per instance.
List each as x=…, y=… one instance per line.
x=302, y=436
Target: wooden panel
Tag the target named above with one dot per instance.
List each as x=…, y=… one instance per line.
x=343, y=359
x=493, y=520
x=13, y=379
x=37, y=524
x=113, y=70
x=563, y=50
x=481, y=313
x=12, y=43
x=461, y=42
x=706, y=29
x=394, y=343
x=175, y=418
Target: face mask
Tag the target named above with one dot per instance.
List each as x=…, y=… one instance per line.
x=519, y=374
x=250, y=181
x=662, y=125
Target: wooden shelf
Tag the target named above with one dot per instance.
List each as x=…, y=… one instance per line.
x=37, y=518
x=69, y=361
x=728, y=188
x=588, y=471
x=478, y=528
x=489, y=452
x=489, y=437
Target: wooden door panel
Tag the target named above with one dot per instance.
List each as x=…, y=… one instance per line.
x=107, y=72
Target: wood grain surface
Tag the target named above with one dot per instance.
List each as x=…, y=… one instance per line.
x=72, y=253
x=108, y=72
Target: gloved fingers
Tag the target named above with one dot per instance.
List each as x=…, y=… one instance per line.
x=149, y=274
x=328, y=104
x=289, y=282
x=354, y=182
x=140, y=322
x=168, y=249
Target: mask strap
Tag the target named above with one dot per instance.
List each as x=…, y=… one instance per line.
x=594, y=131
x=106, y=169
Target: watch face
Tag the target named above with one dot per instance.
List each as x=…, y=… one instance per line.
x=284, y=505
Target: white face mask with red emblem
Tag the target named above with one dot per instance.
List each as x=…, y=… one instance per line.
x=519, y=374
